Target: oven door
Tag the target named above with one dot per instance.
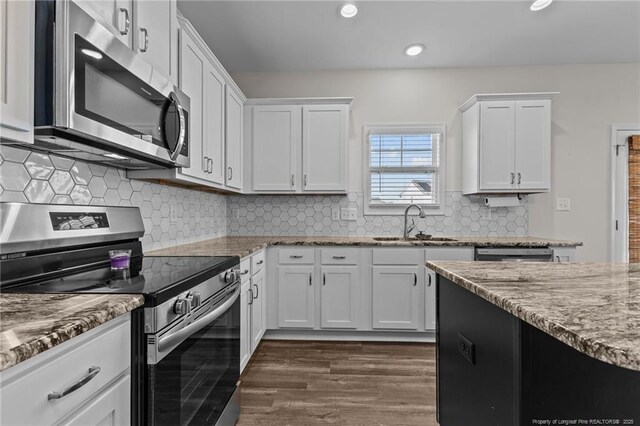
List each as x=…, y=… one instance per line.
x=192, y=373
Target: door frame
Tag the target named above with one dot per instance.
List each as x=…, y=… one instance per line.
x=621, y=234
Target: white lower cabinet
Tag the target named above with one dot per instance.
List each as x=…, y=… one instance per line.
x=430, y=301
x=395, y=291
x=245, y=324
x=258, y=310
x=253, y=305
x=40, y=390
x=296, y=296
x=340, y=301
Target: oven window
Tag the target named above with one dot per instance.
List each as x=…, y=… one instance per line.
x=108, y=93
x=193, y=383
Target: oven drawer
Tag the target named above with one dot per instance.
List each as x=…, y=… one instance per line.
x=25, y=391
x=245, y=270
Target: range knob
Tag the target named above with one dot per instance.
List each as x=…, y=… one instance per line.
x=230, y=276
x=194, y=299
x=182, y=306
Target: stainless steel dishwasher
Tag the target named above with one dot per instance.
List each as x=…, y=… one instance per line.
x=513, y=254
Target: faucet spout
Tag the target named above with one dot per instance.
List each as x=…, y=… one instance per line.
x=408, y=228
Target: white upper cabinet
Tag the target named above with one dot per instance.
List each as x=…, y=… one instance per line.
x=213, y=125
x=114, y=15
x=156, y=34
x=16, y=70
x=506, y=143
x=324, y=142
x=298, y=145
x=276, y=143
x=234, y=123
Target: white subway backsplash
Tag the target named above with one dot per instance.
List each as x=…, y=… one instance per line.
x=311, y=215
x=35, y=177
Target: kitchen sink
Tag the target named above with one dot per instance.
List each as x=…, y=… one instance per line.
x=413, y=239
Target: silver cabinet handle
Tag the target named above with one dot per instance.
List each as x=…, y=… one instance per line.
x=519, y=178
x=296, y=256
x=293, y=177
x=259, y=262
x=513, y=178
x=251, y=297
x=324, y=279
x=305, y=180
x=230, y=173
x=257, y=291
x=339, y=257
x=245, y=272
x=146, y=40
x=93, y=372
x=210, y=165
x=205, y=166
x=429, y=282
x=127, y=21
x=415, y=279
x=310, y=282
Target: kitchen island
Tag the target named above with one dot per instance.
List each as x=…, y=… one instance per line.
x=538, y=343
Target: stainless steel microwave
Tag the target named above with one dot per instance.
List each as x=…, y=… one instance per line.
x=97, y=100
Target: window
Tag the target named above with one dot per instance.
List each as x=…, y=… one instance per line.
x=404, y=165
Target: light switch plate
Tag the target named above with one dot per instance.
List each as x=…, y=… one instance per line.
x=348, y=213
x=563, y=204
x=353, y=213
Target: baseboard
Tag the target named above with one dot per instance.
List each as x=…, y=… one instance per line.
x=350, y=336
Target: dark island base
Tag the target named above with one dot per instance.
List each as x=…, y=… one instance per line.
x=494, y=369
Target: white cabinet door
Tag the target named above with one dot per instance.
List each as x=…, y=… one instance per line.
x=324, y=147
x=112, y=407
x=395, y=297
x=296, y=300
x=213, y=124
x=115, y=15
x=258, y=310
x=246, y=299
x=234, y=125
x=340, y=296
x=155, y=37
x=16, y=70
x=276, y=142
x=533, y=144
x=193, y=67
x=430, y=301
x=497, y=121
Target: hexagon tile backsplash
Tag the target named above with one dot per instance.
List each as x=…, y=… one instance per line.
x=35, y=177
x=311, y=215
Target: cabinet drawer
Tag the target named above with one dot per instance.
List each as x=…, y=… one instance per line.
x=24, y=393
x=293, y=255
x=340, y=256
x=257, y=262
x=398, y=256
x=245, y=269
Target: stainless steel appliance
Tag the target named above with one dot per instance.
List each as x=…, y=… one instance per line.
x=186, y=338
x=514, y=254
x=97, y=100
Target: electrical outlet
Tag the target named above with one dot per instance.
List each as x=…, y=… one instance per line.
x=352, y=213
x=173, y=214
x=236, y=213
x=485, y=213
x=563, y=204
x=335, y=214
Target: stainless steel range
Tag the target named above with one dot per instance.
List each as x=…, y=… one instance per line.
x=186, y=338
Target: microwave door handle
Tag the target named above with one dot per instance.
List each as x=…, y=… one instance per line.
x=181, y=137
x=168, y=342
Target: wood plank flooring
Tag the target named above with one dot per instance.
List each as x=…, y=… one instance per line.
x=342, y=383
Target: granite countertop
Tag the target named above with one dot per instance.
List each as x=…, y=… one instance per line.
x=32, y=323
x=592, y=307
x=244, y=246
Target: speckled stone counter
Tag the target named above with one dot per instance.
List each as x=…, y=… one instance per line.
x=32, y=323
x=592, y=307
x=244, y=246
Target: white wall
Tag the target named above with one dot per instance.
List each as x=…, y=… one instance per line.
x=592, y=97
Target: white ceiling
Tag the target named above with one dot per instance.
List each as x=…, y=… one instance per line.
x=310, y=35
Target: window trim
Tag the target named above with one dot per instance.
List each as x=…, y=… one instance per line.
x=395, y=128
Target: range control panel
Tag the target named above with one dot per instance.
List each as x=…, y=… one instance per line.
x=62, y=221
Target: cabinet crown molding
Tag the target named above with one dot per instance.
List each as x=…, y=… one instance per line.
x=300, y=101
x=505, y=97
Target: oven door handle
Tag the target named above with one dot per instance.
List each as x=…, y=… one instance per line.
x=168, y=342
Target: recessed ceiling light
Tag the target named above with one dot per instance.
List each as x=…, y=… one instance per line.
x=92, y=53
x=348, y=10
x=540, y=4
x=414, y=49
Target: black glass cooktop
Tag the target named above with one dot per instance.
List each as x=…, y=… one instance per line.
x=157, y=278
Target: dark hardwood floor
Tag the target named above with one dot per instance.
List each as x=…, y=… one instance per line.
x=343, y=383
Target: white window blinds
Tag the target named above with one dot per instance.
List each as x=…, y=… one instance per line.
x=404, y=168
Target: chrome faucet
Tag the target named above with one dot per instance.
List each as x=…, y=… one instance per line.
x=408, y=228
